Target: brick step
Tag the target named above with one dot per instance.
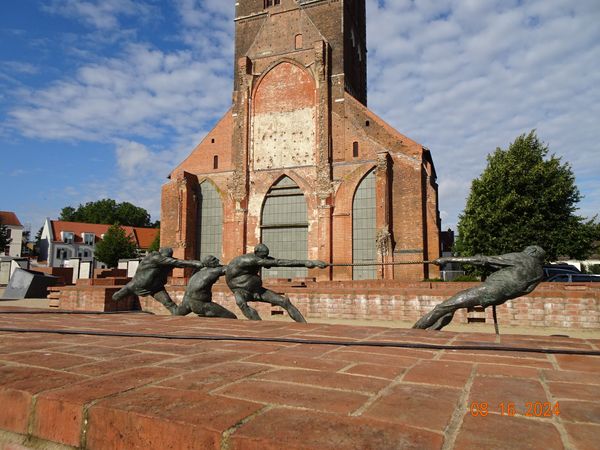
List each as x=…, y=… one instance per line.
x=54, y=303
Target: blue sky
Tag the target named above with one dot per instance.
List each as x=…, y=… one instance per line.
x=102, y=98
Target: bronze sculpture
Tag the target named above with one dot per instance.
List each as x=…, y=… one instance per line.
x=198, y=293
x=151, y=276
x=243, y=278
x=518, y=274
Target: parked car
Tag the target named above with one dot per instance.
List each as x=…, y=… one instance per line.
x=574, y=278
x=551, y=270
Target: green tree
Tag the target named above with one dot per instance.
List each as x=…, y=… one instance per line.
x=38, y=241
x=5, y=239
x=155, y=243
x=24, y=242
x=68, y=214
x=107, y=211
x=114, y=246
x=524, y=198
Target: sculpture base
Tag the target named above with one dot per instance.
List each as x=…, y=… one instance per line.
x=560, y=305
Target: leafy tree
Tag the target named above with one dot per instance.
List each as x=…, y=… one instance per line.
x=24, y=242
x=68, y=214
x=38, y=241
x=114, y=246
x=5, y=239
x=155, y=243
x=523, y=198
x=107, y=211
x=591, y=268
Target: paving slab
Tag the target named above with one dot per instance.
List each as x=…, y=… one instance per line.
x=101, y=390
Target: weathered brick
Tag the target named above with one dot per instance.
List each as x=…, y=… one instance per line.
x=270, y=392
x=443, y=373
x=496, y=431
x=59, y=413
x=161, y=418
x=297, y=429
x=416, y=405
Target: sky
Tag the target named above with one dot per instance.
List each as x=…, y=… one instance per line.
x=103, y=98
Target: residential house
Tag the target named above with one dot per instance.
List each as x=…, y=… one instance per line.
x=15, y=230
x=63, y=240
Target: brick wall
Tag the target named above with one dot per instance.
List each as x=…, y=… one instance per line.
x=550, y=305
x=92, y=295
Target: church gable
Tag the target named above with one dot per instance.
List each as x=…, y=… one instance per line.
x=365, y=125
x=213, y=153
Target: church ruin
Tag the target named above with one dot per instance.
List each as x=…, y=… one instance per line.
x=299, y=162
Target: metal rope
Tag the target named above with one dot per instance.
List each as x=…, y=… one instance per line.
x=375, y=263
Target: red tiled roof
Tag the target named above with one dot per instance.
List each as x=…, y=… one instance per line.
x=143, y=236
x=9, y=218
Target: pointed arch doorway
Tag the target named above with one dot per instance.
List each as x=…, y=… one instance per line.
x=210, y=221
x=364, y=229
x=284, y=227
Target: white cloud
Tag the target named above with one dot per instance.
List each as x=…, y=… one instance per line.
x=460, y=76
x=19, y=67
x=464, y=77
x=144, y=92
x=153, y=105
x=100, y=14
x=208, y=27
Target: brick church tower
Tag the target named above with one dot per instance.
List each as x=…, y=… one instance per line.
x=299, y=162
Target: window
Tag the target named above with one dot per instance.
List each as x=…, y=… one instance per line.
x=298, y=42
x=269, y=3
x=210, y=221
x=212, y=141
x=62, y=253
x=367, y=123
x=284, y=227
x=215, y=162
x=355, y=149
x=88, y=238
x=363, y=229
x=67, y=237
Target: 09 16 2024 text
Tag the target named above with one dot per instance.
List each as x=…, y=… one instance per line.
x=530, y=409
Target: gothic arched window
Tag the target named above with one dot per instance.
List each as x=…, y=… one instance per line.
x=284, y=227
x=210, y=221
x=363, y=229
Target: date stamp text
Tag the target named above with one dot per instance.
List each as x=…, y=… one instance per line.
x=531, y=409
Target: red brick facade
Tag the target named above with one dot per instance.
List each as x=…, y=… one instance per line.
x=299, y=110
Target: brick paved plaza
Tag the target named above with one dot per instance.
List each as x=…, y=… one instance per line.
x=105, y=392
